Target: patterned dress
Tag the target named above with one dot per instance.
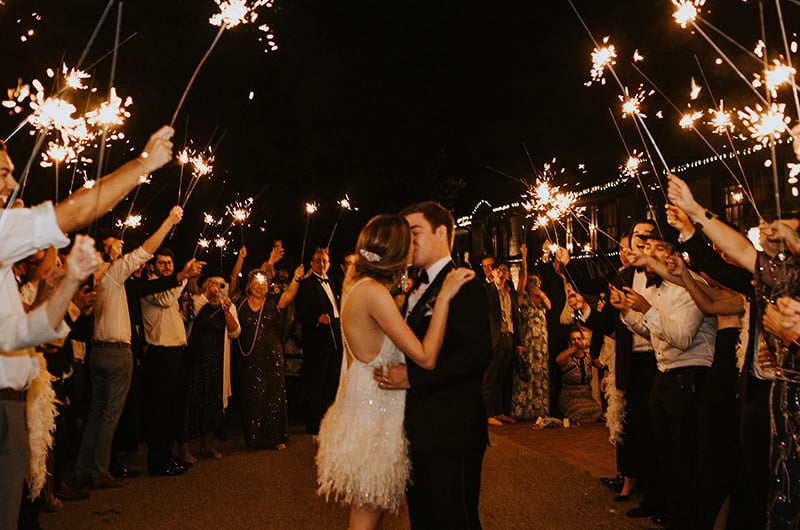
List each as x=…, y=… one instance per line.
x=575, y=400
x=363, y=450
x=262, y=381
x=530, y=399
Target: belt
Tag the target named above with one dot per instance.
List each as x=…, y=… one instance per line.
x=105, y=344
x=7, y=394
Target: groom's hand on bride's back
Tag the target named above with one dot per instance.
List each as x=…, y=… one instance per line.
x=392, y=377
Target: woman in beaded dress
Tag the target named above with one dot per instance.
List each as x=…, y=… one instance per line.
x=362, y=459
x=262, y=383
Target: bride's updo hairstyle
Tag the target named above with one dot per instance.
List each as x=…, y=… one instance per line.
x=382, y=248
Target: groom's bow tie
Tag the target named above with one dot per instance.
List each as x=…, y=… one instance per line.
x=323, y=280
x=421, y=278
x=654, y=281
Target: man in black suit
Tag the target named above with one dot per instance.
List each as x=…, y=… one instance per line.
x=445, y=415
x=504, y=323
x=317, y=309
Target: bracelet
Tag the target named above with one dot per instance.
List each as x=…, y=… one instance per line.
x=709, y=215
x=146, y=170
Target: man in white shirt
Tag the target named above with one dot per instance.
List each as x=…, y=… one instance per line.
x=683, y=341
x=111, y=359
x=162, y=366
x=24, y=231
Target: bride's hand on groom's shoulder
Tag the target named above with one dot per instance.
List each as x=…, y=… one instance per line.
x=454, y=280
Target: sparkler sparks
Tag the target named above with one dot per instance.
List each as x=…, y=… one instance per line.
x=133, y=221
x=240, y=211
x=721, y=121
x=220, y=242
x=764, y=125
x=631, y=167
x=602, y=57
x=235, y=12
x=686, y=11
x=547, y=203
x=203, y=243
x=311, y=208
x=695, y=92
x=688, y=119
x=111, y=112
x=775, y=76
x=345, y=204
x=74, y=77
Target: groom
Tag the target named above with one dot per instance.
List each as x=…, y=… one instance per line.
x=445, y=416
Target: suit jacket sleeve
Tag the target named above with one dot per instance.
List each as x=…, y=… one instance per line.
x=467, y=344
x=146, y=287
x=710, y=262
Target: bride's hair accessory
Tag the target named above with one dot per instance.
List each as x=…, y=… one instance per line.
x=369, y=256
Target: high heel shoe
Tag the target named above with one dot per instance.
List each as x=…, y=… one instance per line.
x=210, y=453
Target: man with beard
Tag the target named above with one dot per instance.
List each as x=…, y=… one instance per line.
x=683, y=339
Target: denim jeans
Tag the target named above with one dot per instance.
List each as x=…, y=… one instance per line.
x=110, y=370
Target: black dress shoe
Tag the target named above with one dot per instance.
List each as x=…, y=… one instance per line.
x=622, y=498
x=116, y=469
x=641, y=511
x=169, y=469
x=181, y=462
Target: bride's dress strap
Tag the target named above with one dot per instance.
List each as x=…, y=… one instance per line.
x=347, y=358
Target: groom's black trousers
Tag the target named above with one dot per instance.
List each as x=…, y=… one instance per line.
x=445, y=490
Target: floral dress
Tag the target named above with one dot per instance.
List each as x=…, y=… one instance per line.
x=530, y=398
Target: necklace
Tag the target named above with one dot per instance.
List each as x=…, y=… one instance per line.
x=255, y=334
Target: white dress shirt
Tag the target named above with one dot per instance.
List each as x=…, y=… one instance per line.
x=326, y=286
x=199, y=301
x=433, y=271
x=112, y=321
x=161, y=314
x=680, y=333
x=24, y=231
x=639, y=284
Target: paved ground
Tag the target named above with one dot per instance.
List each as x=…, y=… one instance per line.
x=532, y=479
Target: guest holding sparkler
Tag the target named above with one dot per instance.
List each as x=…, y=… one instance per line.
x=262, y=383
x=317, y=306
x=111, y=359
x=208, y=367
x=22, y=232
x=777, y=274
x=531, y=397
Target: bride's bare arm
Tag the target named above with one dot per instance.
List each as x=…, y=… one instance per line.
x=384, y=311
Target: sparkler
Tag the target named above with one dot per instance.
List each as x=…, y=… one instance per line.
x=132, y=221
x=344, y=204
x=721, y=121
x=631, y=167
x=202, y=166
x=765, y=124
x=232, y=13
x=311, y=209
x=602, y=57
x=239, y=212
x=688, y=119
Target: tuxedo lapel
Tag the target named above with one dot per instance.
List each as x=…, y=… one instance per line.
x=417, y=315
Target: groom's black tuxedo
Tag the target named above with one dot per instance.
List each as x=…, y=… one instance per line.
x=446, y=420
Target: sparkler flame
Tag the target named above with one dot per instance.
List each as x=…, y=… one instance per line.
x=208, y=219
x=721, y=120
x=311, y=208
x=345, y=203
x=688, y=119
x=695, y=90
x=601, y=58
x=547, y=203
x=775, y=76
x=111, y=112
x=133, y=221
x=631, y=167
x=686, y=11
x=240, y=211
x=235, y=12
x=764, y=125
x=220, y=242
x=203, y=242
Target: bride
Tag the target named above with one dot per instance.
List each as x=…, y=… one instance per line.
x=363, y=452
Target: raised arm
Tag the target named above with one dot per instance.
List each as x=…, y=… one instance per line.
x=727, y=240
x=709, y=300
x=291, y=291
x=237, y=269
x=86, y=205
x=154, y=241
x=384, y=311
x=523, y=273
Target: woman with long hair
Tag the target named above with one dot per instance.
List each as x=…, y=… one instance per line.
x=362, y=459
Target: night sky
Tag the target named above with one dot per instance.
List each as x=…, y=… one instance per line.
x=389, y=102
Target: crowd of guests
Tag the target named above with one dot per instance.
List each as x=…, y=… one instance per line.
x=687, y=347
